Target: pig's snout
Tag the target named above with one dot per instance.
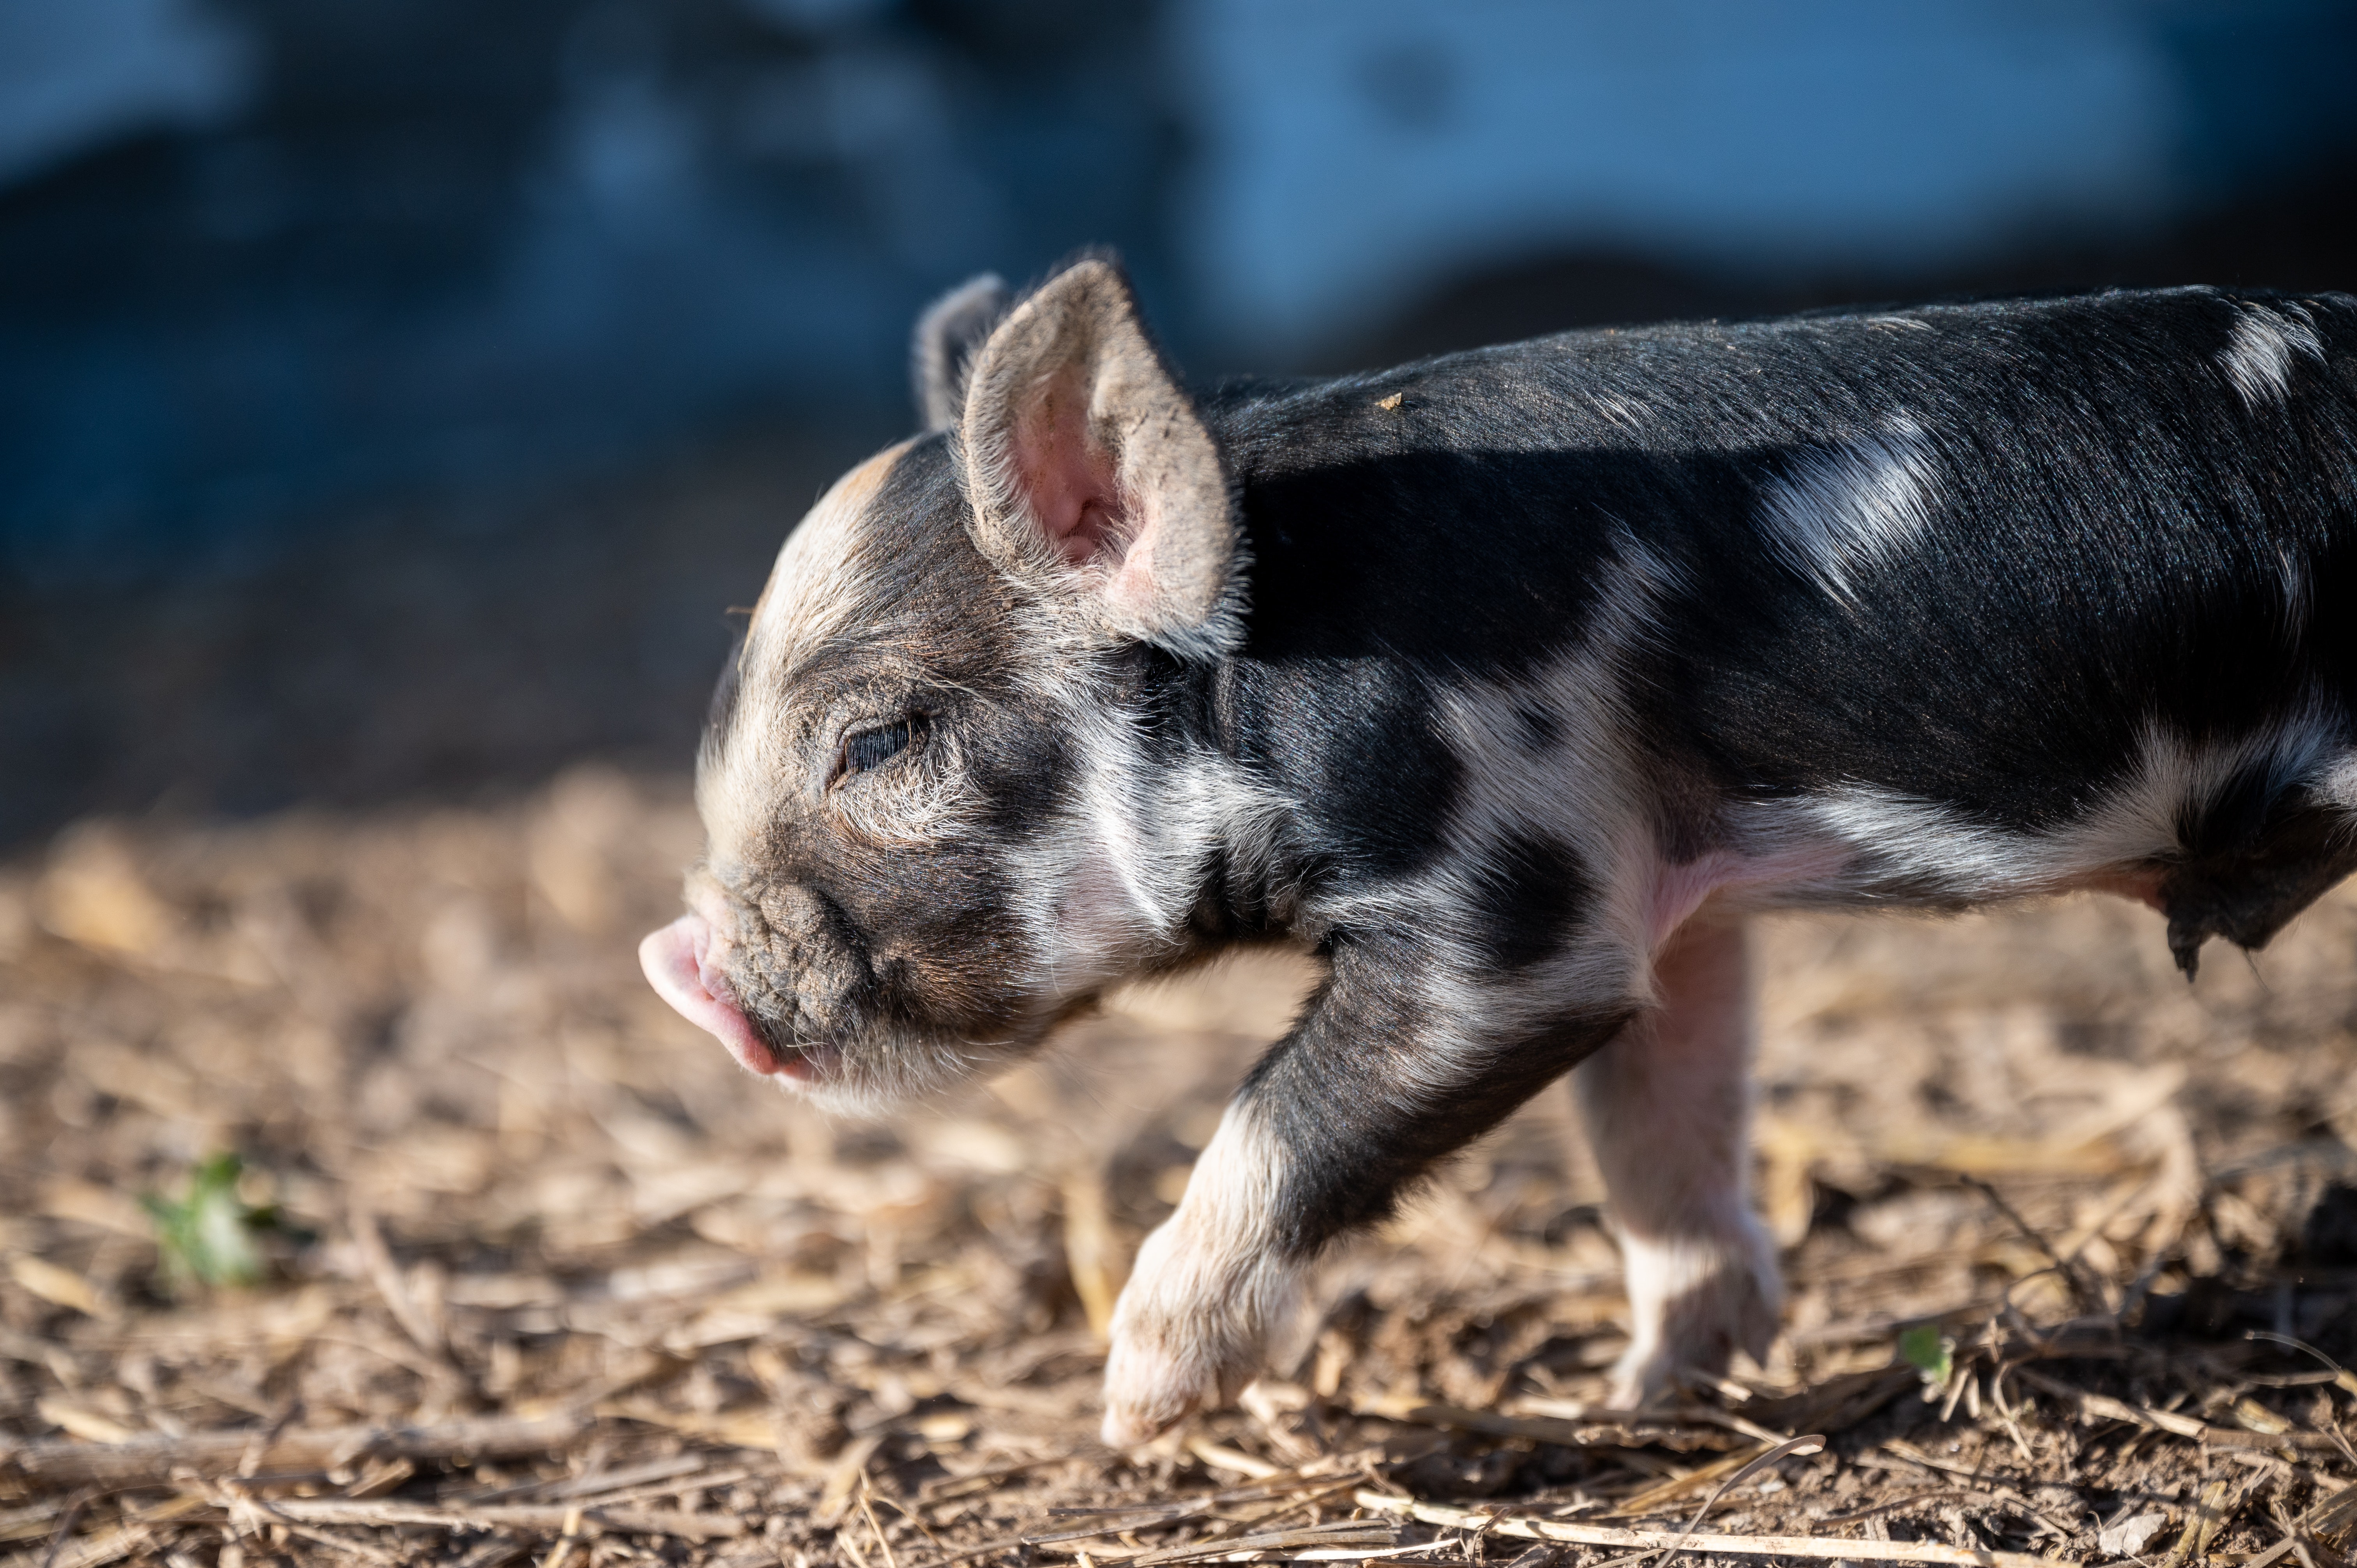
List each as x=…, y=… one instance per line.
x=680, y=962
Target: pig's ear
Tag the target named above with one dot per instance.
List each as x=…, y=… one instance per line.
x=941, y=354
x=1089, y=468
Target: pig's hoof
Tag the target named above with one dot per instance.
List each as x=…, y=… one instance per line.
x=1188, y=1331
x=1694, y=1306
x=1155, y=1381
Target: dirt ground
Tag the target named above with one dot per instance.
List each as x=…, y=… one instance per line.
x=536, y=1275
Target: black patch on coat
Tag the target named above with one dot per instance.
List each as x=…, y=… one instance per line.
x=1358, y=742
x=2260, y=854
x=1344, y=1098
x=1442, y=559
x=1532, y=894
x=1541, y=728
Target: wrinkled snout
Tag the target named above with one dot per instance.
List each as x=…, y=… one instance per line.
x=682, y=963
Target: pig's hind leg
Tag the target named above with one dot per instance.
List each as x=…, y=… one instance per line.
x=1667, y=1107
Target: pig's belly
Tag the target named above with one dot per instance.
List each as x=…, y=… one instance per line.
x=2214, y=866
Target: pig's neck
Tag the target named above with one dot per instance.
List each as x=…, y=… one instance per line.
x=1246, y=769
x=1209, y=798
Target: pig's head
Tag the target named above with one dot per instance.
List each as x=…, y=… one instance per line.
x=935, y=818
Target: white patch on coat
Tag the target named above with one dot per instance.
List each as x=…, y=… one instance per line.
x=1837, y=513
x=1109, y=888
x=2339, y=783
x=2257, y=360
x=1935, y=850
x=1208, y=1288
x=1588, y=794
x=2297, y=595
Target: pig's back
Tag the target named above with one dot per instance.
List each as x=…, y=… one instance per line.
x=1962, y=554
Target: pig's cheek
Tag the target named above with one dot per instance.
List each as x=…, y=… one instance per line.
x=1187, y=1335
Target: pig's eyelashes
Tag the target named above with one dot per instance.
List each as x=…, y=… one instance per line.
x=874, y=747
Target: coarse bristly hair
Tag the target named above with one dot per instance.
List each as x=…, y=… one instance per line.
x=1512, y=682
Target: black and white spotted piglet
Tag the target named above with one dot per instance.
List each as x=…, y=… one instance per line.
x=1511, y=683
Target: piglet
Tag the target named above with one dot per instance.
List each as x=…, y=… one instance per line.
x=1512, y=683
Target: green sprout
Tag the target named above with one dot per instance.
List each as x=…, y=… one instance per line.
x=211, y=1236
x=1929, y=1352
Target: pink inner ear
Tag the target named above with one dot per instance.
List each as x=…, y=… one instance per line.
x=1068, y=481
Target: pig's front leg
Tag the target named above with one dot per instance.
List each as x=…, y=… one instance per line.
x=1395, y=1066
x=1667, y=1106
x=1207, y=1287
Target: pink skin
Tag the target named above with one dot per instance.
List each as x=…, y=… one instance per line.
x=1064, y=478
x=679, y=964
x=1701, y=1273
x=1678, y=891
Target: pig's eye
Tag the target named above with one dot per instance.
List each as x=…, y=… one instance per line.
x=874, y=747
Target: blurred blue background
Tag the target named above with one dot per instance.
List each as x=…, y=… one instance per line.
x=393, y=392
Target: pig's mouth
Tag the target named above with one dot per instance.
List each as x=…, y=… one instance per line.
x=678, y=962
